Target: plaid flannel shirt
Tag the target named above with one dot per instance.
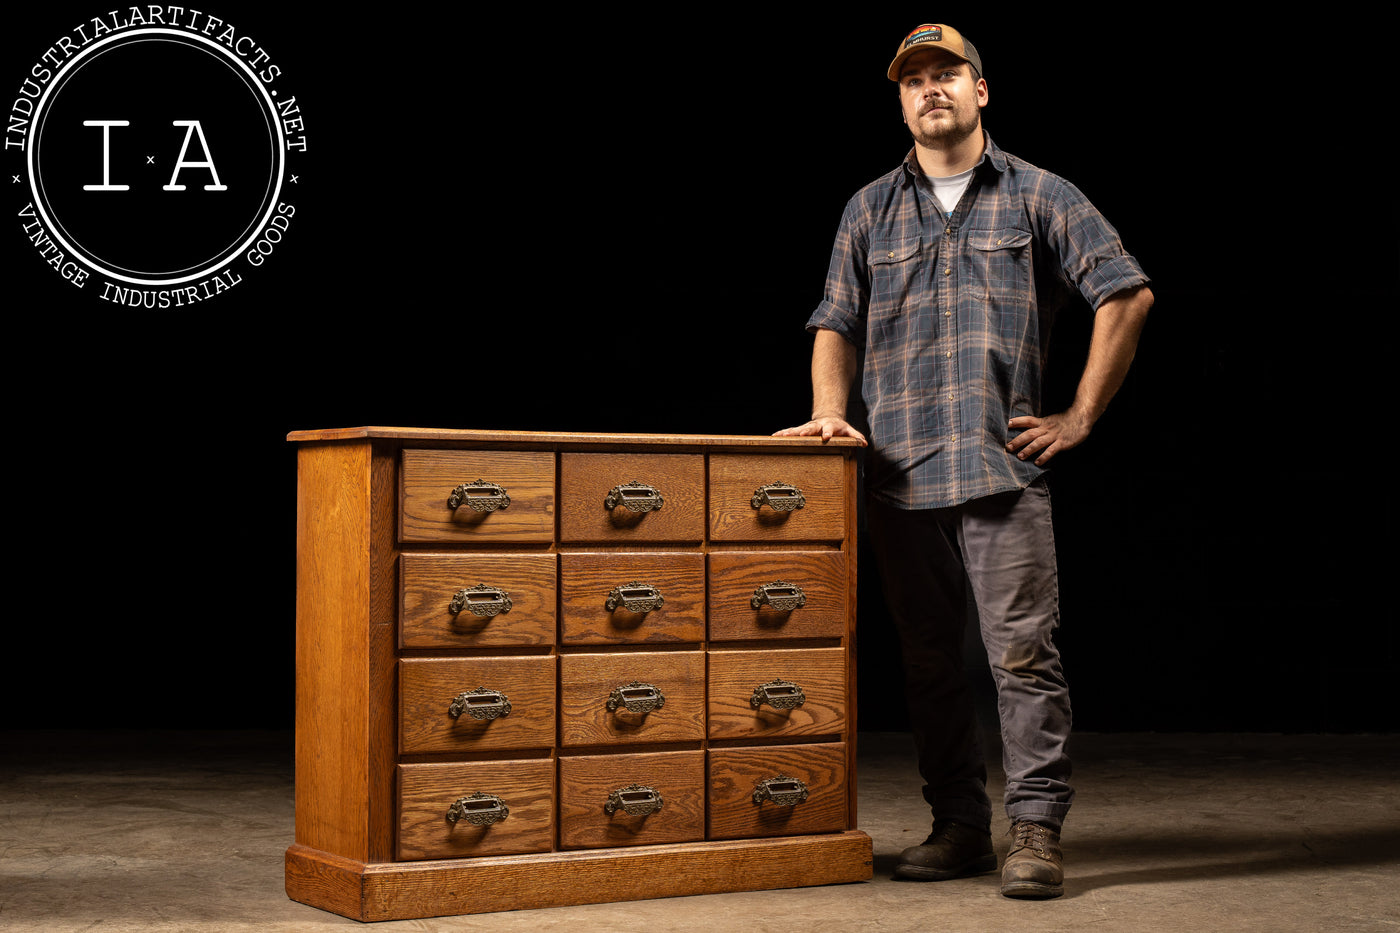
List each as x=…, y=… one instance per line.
x=953, y=315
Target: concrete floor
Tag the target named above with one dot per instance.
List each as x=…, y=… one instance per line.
x=154, y=831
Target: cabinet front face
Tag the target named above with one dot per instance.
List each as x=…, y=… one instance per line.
x=574, y=649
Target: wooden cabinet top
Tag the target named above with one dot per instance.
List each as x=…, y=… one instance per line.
x=558, y=438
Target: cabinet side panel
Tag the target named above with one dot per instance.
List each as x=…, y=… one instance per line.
x=332, y=664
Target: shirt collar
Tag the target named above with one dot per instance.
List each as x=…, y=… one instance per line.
x=991, y=156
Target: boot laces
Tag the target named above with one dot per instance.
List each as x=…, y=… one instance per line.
x=1028, y=835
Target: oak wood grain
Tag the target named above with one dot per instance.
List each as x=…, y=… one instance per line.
x=586, y=479
x=734, y=479
x=734, y=773
x=413, y=890
x=430, y=476
x=586, y=681
x=586, y=783
x=431, y=580
x=427, y=792
x=586, y=580
x=427, y=687
x=734, y=675
x=735, y=575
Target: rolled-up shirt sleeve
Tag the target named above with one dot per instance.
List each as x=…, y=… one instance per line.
x=1088, y=249
x=844, y=303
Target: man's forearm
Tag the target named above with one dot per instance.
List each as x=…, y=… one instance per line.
x=833, y=369
x=1117, y=326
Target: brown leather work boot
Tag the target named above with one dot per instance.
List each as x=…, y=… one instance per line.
x=1033, y=866
x=950, y=851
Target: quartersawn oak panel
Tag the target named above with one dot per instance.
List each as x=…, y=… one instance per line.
x=427, y=687
x=427, y=792
x=586, y=579
x=429, y=582
x=587, y=681
x=735, y=478
x=429, y=477
x=585, y=784
x=586, y=479
x=820, y=672
x=735, y=575
x=735, y=773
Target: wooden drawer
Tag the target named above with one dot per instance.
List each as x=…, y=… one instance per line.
x=501, y=600
x=429, y=686
x=427, y=793
x=736, y=480
x=597, y=589
x=737, y=776
x=590, y=683
x=596, y=793
x=645, y=497
x=430, y=478
x=738, y=678
x=816, y=579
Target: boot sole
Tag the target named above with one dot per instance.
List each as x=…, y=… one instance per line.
x=978, y=866
x=1032, y=890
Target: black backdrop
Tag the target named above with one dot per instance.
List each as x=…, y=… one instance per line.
x=606, y=222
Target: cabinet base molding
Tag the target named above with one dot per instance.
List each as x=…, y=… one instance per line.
x=414, y=890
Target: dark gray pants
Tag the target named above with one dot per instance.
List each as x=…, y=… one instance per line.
x=1004, y=547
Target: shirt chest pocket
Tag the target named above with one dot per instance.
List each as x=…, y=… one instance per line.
x=999, y=267
x=895, y=270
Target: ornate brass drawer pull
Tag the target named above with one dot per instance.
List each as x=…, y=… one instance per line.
x=481, y=600
x=480, y=704
x=636, y=698
x=779, y=694
x=635, y=497
x=635, y=597
x=782, y=790
x=478, y=809
x=634, y=799
x=779, y=596
x=480, y=496
x=780, y=497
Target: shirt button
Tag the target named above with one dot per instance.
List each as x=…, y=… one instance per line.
x=890, y=254
x=947, y=271
x=950, y=396
x=947, y=314
x=948, y=355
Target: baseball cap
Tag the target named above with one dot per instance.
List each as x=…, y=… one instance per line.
x=934, y=35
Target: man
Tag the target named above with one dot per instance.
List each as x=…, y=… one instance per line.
x=943, y=286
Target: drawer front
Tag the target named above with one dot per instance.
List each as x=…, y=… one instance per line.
x=611, y=598
x=431, y=477
x=430, y=826
x=777, y=594
x=777, y=790
x=617, y=498
x=766, y=694
x=799, y=498
x=629, y=800
x=477, y=600
x=630, y=697
x=429, y=687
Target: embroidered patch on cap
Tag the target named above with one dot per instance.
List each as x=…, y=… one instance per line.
x=924, y=34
